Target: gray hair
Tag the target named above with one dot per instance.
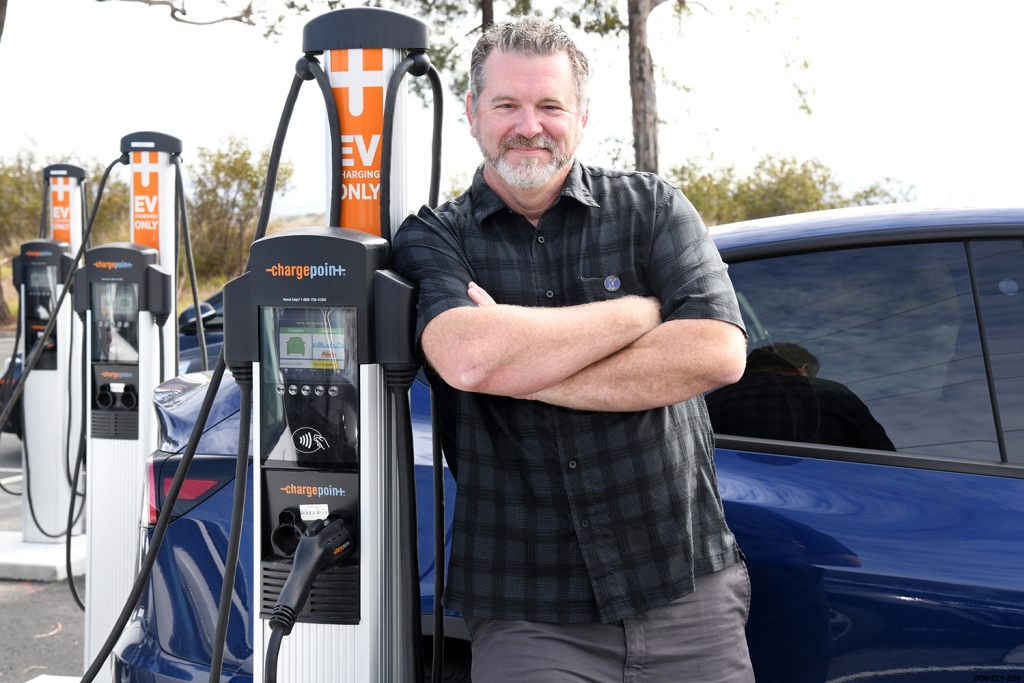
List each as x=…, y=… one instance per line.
x=528, y=36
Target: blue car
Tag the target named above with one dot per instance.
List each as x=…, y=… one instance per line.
x=870, y=460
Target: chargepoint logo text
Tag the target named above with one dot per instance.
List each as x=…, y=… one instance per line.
x=313, y=491
x=311, y=271
x=112, y=265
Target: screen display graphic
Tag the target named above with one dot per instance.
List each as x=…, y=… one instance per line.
x=311, y=346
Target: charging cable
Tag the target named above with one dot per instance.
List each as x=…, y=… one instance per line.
x=190, y=263
x=161, y=524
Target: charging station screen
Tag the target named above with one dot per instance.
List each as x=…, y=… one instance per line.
x=40, y=291
x=311, y=347
x=115, y=322
x=309, y=386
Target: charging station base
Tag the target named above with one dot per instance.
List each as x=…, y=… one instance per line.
x=23, y=561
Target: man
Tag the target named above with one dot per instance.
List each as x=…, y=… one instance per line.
x=575, y=316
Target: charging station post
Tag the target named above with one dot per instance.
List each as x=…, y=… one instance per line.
x=125, y=294
x=121, y=290
x=305, y=315
x=48, y=421
x=152, y=207
x=39, y=271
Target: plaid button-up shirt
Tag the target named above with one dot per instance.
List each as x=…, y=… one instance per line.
x=565, y=515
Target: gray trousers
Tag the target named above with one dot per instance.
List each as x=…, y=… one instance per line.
x=696, y=639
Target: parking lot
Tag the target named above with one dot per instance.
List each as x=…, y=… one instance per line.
x=42, y=629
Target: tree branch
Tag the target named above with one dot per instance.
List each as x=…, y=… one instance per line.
x=178, y=12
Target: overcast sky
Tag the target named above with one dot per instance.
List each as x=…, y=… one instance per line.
x=923, y=91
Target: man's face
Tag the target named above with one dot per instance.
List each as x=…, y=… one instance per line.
x=528, y=122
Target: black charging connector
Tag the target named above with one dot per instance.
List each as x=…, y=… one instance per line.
x=325, y=543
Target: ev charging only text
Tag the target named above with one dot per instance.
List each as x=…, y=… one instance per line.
x=146, y=217
x=366, y=152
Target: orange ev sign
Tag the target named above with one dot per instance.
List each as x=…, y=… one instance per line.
x=60, y=208
x=146, y=199
x=358, y=80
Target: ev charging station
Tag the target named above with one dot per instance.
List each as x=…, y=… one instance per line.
x=122, y=290
x=39, y=271
x=125, y=294
x=327, y=331
x=50, y=426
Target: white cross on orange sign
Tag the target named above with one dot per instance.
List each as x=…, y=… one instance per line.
x=146, y=165
x=356, y=80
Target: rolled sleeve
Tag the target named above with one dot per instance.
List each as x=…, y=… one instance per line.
x=428, y=252
x=685, y=269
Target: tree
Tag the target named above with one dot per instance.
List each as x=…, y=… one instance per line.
x=777, y=186
x=245, y=14
x=454, y=23
x=21, y=205
x=227, y=192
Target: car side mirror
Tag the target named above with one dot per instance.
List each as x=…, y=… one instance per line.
x=187, y=319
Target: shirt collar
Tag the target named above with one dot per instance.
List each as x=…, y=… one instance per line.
x=575, y=187
x=486, y=201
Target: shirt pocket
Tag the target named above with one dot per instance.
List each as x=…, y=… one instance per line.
x=612, y=285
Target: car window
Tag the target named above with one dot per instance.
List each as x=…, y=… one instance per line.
x=999, y=270
x=874, y=348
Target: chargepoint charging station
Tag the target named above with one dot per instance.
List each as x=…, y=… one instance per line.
x=320, y=407
x=328, y=334
x=50, y=425
x=125, y=294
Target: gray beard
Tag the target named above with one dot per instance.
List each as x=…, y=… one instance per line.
x=529, y=173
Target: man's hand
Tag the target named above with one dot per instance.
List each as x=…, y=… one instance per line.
x=479, y=296
x=514, y=350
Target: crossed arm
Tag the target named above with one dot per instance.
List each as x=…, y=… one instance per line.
x=612, y=355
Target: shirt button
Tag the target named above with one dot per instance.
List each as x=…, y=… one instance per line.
x=540, y=238
x=585, y=523
x=549, y=294
x=572, y=464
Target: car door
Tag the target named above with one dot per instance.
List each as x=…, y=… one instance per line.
x=871, y=461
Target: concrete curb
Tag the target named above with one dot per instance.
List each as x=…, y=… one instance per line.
x=22, y=561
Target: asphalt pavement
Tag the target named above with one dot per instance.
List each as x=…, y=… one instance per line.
x=42, y=630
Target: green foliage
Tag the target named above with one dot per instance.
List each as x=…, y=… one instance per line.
x=777, y=186
x=21, y=201
x=712, y=191
x=113, y=218
x=21, y=207
x=227, y=191
x=592, y=16
x=21, y=196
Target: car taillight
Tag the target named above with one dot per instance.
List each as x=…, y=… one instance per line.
x=149, y=515
x=207, y=475
x=191, y=489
